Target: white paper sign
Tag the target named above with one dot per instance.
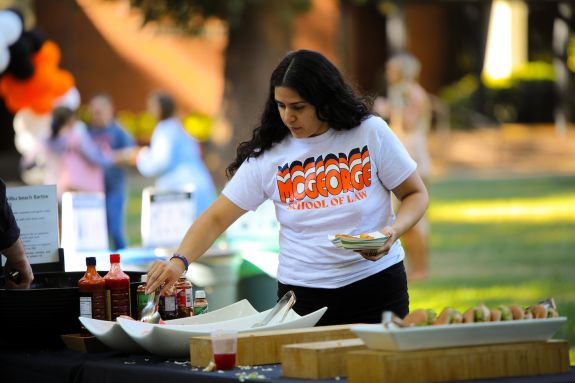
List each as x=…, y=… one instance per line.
x=166, y=216
x=84, y=222
x=36, y=211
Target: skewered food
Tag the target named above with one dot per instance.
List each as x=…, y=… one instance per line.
x=419, y=317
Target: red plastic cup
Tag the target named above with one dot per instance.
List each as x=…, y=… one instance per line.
x=224, y=346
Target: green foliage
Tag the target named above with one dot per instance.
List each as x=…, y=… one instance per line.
x=530, y=71
x=189, y=16
x=527, y=96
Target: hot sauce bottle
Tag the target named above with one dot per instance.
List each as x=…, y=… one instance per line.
x=118, y=289
x=184, y=297
x=92, y=291
x=168, y=306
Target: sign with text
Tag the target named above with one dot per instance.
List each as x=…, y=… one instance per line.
x=166, y=216
x=36, y=211
x=84, y=222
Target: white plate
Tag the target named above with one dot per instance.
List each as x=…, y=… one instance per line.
x=173, y=341
x=357, y=243
x=113, y=336
x=377, y=337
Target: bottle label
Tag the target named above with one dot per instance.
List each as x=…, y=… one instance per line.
x=189, y=299
x=119, y=301
x=86, y=306
x=182, y=294
x=170, y=303
x=200, y=309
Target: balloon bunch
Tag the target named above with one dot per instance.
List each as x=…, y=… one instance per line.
x=30, y=76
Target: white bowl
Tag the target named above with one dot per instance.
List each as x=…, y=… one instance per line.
x=377, y=337
x=173, y=340
x=113, y=335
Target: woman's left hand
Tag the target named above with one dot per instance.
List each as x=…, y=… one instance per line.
x=374, y=255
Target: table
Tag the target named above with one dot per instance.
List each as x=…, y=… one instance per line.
x=60, y=365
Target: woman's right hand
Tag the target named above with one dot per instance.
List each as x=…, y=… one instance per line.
x=164, y=273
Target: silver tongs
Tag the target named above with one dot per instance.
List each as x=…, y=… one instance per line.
x=286, y=302
x=150, y=312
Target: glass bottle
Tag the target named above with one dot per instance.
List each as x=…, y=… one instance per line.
x=118, y=289
x=168, y=305
x=142, y=297
x=184, y=297
x=200, y=303
x=92, y=291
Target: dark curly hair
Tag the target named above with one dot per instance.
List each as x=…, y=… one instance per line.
x=318, y=82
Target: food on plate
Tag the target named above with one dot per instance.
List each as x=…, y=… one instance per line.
x=477, y=314
x=480, y=313
x=539, y=311
x=361, y=236
x=495, y=315
x=449, y=315
x=421, y=317
x=517, y=312
x=344, y=236
x=506, y=313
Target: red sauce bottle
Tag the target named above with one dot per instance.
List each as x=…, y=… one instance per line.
x=118, y=289
x=92, y=291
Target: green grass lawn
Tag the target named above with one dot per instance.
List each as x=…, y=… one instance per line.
x=501, y=241
x=493, y=241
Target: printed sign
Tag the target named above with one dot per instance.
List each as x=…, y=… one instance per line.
x=84, y=222
x=166, y=216
x=36, y=211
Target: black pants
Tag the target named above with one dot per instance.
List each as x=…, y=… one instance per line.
x=359, y=302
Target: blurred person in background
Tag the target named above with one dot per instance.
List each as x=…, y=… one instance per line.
x=73, y=161
x=408, y=110
x=11, y=246
x=107, y=133
x=174, y=157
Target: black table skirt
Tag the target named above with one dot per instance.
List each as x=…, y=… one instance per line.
x=62, y=365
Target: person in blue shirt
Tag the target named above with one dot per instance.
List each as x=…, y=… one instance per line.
x=106, y=132
x=174, y=157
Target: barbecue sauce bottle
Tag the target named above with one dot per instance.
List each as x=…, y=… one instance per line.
x=118, y=289
x=92, y=291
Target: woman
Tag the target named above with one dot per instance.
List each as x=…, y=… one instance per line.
x=73, y=161
x=174, y=156
x=329, y=166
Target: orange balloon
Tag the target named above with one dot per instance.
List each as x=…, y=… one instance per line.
x=39, y=91
x=48, y=54
x=42, y=105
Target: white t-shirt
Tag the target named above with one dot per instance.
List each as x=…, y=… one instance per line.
x=337, y=182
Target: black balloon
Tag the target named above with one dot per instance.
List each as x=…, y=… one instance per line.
x=21, y=65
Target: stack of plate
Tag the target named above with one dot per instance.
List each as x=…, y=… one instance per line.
x=358, y=244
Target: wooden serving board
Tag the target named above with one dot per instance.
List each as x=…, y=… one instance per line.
x=459, y=363
x=264, y=347
x=83, y=343
x=318, y=360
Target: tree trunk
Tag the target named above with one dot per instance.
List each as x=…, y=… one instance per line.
x=253, y=51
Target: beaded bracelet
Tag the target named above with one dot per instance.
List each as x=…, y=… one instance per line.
x=181, y=258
